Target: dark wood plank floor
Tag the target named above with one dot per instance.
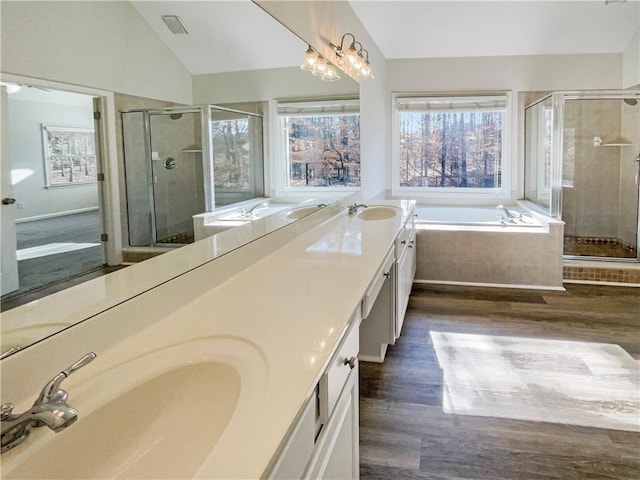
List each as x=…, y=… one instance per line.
x=404, y=433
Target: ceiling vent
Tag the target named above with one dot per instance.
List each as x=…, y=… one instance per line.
x=174, y=23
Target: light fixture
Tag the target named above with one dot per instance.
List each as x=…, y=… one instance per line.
x=174, y=23
x=11, y=87
x=330, y=74
x=319, y=66
x=353, y=59
x=309, y=61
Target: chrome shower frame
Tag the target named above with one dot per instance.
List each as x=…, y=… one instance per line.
x=558, y=103
x=206, y=116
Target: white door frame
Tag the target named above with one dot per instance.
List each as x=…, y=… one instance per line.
x=110, y=188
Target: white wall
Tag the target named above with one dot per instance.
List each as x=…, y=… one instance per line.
x=518, y=73
x=25, y=125
x=631, y=62
x=104, y=45
x=319, y=23
x=265, y=85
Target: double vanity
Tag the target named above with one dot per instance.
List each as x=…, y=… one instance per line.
x=244, y=367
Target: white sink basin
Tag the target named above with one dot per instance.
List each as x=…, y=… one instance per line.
x=378, y=213
x=300, y=212
x=163, y=428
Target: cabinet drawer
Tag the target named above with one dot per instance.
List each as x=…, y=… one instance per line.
x=405, y=237
x=374, y=289
x=336, y=374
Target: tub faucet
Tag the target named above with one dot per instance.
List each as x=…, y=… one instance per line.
x=50, y=409
x=506, y=211
x=354, y=208
x=248, y=213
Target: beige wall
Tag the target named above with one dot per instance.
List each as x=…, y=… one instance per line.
x=631, y=62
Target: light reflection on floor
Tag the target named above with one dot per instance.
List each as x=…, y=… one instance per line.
x=577, y=383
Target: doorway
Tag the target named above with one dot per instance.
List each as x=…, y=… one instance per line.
x=52, y=159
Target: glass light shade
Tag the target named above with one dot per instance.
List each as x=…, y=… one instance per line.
x=366, y=71
x=309, y=60
x=352, y=55
x=320, y=66
x=330, y=74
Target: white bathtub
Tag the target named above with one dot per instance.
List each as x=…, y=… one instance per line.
x=475, y=215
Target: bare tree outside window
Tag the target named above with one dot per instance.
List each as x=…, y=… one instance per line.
x=323, y=150
x=69, y=155
x=231, y=154
x=460, y=149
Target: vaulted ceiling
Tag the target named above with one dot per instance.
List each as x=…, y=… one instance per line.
x=237, y=35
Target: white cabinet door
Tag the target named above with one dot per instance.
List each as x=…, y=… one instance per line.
x=338, y=455
x=405, y=273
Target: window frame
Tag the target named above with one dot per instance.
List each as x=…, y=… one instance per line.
x=280, y=166
x=455, y=193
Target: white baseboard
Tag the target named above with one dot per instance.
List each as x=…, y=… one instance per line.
x=374, y=358
x=56, y=214
x=491, y=285
x=610, y=284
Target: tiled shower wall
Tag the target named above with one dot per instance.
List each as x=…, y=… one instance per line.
x=591, y=174
x=491, y=257
x=628, y=169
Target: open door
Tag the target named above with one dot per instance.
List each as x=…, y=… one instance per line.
x=8, y=258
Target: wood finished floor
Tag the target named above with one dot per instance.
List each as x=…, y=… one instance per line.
x=405, y=435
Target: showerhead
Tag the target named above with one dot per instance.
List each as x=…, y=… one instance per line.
x=631, y=101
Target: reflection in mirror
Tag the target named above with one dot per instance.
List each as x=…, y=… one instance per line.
x=255, y=79
x=538, y=135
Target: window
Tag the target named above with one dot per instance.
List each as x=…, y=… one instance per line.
x=69, y=156
x=321, y=144
x=237, y=156
x=452, y=144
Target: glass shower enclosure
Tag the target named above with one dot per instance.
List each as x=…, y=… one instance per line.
x=183, y=161
x=582, y=164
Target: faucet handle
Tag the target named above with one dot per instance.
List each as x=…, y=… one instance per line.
x=6, y=410
x=88, y=358
x=52, y=392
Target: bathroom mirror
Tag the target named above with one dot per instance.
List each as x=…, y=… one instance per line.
x=290, y=75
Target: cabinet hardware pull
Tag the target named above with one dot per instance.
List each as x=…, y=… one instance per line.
x=351, y=362
x=403, y=242
x=387, y=274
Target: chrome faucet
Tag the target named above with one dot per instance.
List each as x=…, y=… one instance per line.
x=49, y=409
x=248, y=213
x=354, y=208
x=506, y=211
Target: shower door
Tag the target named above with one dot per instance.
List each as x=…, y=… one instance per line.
x=176, y=174
x=600, y=142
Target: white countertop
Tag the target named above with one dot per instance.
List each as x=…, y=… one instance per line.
x=26, y=324
x=285, y=312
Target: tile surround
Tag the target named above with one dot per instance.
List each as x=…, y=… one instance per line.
x=490, y=257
